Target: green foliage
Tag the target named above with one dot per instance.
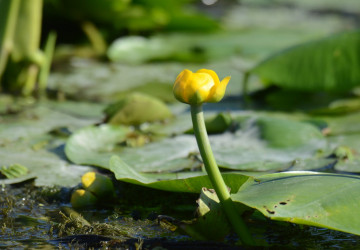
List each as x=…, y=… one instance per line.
x=329, y=64
x=310, y=198
x=192, y=181
x=217, y=124
x=136, y=109
x=114, y=16
x=21, y=58
x=13, y=171
x=209, y=213
x=93, y=145
x=34, y=138
x=286, y=133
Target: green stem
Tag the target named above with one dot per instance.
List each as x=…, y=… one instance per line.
x=46, y=65
x=215, y=175
x=9, y=13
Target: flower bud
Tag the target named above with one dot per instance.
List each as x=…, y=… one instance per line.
x=82, y=198
x=100, y=185
x=199, y=87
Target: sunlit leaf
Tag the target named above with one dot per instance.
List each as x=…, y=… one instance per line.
x=93, y=145
x=311, y=198
x=177, y=182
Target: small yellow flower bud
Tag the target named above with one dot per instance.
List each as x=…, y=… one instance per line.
x=98, y=184
x=82, y=198
x=199, y=87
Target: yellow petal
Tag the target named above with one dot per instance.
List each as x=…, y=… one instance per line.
x=211, y=73
x=218, y=91
x=196, y=88
x=180, y=84
x=199, y=87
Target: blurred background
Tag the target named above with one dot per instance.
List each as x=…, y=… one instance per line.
x=104, y=49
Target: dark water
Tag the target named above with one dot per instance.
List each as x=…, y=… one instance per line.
x=30, y=218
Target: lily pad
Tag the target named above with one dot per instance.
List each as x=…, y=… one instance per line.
x=345, y=124
x=93, y=145
x=46, y=164
x=328, y=64
x=243, y=150
x=191, y=182
x=311, y=198
x=39, y=120
x=283, y=133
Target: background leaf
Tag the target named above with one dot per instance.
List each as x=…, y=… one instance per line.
x=328, y=64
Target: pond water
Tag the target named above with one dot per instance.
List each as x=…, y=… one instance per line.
x=33, y=217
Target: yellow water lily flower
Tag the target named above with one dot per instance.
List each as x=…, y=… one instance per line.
x=202, y=86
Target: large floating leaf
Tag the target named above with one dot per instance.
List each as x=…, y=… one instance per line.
x=39, y=120
x=268, y=143
x=93, y=145
x=311, y=198
x=286, y=133
x=244, y=150
x=46, y=164
x=176, y=182
x=345, y=124
x=35, y=137
x=328, y=64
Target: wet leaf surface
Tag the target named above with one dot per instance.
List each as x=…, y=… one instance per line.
x=311, y=198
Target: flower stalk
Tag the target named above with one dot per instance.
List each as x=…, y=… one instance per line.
x=215, y=175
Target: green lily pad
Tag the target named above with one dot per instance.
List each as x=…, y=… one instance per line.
x=46, y=165
x=39, y=120
x=328, y=64
x=311, y=198
x=35, y=137
x=191, y=182
x=339, y=107
x=351, y=166
x=286, y=133
x=243, y=150
x=314, y=164
x=345, y=124
x=94, y=145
